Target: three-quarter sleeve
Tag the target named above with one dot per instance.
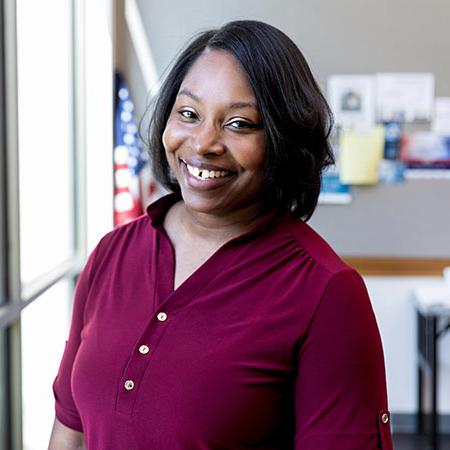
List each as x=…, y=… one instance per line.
x=65, y=408
x=340, y=389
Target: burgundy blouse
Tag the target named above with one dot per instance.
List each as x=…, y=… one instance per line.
x=271, y=344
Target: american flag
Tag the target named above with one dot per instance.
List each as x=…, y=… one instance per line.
x=132, y=185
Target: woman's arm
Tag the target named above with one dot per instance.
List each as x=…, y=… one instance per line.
x=340, y=388
x=64, y=438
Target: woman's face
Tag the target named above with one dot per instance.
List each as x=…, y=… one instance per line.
x=213, y=138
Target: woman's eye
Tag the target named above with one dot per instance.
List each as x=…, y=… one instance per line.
x=241, y=124
x=187, y=114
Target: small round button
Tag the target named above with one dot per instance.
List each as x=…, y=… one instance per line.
x=385, y=418
x=129, y=384
x=143, y=349
x=162, y=316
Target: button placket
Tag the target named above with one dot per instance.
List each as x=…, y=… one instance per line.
x=137, y=365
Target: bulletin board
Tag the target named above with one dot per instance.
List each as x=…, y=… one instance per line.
x=385, y=230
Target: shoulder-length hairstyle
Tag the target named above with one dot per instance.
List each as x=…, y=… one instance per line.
x=295, y=116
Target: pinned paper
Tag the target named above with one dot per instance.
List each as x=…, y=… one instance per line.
x=391, y=171
x=392, y=139
x=332, y=191
x=405, y=97
x=441, y=119
x=352, y=101
x=360, y=154
x=426, y=148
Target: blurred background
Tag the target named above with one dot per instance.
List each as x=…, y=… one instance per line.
x=76, y=79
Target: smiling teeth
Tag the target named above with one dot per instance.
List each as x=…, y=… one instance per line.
x=206, y=174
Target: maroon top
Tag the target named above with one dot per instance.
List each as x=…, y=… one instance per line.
x=271, y=344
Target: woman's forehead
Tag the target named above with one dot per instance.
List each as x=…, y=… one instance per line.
x=218, y=73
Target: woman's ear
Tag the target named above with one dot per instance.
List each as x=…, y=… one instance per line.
x=163, y=139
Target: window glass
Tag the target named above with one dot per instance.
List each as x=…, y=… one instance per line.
x=45, y=134
x=44, y=329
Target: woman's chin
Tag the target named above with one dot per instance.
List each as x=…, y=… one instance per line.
x=202, y=204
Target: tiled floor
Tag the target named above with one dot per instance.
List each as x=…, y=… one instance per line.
x=414, y=442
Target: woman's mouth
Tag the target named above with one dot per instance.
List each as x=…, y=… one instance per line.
x=203, y=178
x=204, y=174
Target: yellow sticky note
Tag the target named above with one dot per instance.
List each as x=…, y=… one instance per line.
x=359, y=155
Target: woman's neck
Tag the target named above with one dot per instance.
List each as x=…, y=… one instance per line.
x=216, y=227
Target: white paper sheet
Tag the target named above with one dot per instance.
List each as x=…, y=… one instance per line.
x=408, y=97
x=351, y=99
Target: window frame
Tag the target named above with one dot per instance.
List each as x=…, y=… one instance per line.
x=4, y=356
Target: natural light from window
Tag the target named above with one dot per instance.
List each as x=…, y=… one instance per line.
x=45, y=149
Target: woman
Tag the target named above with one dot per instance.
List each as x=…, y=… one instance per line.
x=220, y=320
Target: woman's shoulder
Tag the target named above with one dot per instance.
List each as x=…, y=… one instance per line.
x=327, y=274
x=314, y=245
x=133, y=227
x=130, y=235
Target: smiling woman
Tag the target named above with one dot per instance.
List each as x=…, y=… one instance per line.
x=220, y=319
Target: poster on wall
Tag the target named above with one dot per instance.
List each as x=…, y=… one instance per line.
x=351, y=99
x=426, y=149
x=332, y=191
x=441, y=118
x=404, y=97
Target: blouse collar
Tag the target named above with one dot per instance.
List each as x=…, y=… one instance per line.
x=158, y=210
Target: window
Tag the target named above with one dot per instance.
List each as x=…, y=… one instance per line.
x=55, y=191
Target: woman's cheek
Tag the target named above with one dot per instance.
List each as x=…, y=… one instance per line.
x=254, y=156
x=172, y=138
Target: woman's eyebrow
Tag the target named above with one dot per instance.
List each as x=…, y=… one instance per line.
x=189, y=94
x=234, y=105
x=239, y=105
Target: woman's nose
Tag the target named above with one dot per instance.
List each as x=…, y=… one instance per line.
x=208, y=139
